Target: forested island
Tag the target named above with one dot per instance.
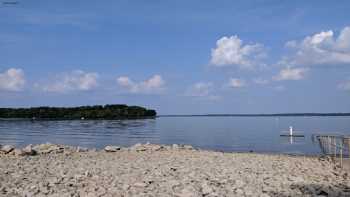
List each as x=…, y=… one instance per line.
x=82, y=112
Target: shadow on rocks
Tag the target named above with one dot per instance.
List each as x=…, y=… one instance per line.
x=339, y=190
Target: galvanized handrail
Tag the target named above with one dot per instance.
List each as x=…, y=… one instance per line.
x=334, y=145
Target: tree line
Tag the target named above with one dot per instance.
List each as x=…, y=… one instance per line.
x=82, y=112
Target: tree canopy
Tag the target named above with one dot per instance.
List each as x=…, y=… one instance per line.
x=82, y=112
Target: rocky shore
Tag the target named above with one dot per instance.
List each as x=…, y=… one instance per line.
x=157, y=170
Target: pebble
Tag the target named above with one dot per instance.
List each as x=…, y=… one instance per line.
x=112, y=148
x=140, y=184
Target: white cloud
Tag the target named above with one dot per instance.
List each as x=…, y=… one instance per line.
x=261, y=81
x=321, y=49
x=231, y=51
x=155, y=84
x=12, y=80
x=202, y=90
x=291, y=74
x=344, y=85
x=236, y=83
x=74, y=81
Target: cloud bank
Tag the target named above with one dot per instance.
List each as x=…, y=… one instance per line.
x=202, y=90
x=291, y=74
x=77, y=80
x=323, y=48
x=230, y=51
x=12, y=80
x=236, y=83
x=155, y=84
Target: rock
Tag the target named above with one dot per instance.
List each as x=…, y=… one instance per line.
x=239, y=183
x=48, y=148
x=248, y=192
x=19, y=152
x=53, y=181
x=112, y=148
x=87, y=174
x=188, y=147
x=296, y=179
x=7, y=149
x=156, y=147
x=138, y=148
x=323, y=191
x=173, y=183
x=239, y=192
x=82, y=149
x=188, y=191
x=125, y=187
x=267, y=188
x=206, y=189
x=140, y=184
x=28, y=150
x=264, y=195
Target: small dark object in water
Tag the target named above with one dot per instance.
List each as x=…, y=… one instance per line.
x=251, y=151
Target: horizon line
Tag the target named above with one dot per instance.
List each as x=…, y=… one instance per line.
x=262, y=114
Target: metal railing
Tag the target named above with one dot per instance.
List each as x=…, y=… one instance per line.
x=336, y=146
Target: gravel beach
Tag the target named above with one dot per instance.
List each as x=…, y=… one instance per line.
x=155, y=170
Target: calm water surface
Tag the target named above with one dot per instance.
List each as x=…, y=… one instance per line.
x=259, y=134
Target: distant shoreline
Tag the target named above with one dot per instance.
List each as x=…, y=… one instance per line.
x=258, y=115
x=194, y=115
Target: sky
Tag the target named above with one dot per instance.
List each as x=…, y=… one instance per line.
x=178, y=57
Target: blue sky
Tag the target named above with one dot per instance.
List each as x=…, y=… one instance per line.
x=178, y=57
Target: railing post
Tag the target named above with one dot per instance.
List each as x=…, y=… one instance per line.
x=348, y=141
x=341, y=154
x=335, y=147
x=329, y=144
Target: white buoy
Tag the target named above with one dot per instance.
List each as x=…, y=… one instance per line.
x=292, y=133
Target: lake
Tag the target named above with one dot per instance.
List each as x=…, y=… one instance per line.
x=258, y=134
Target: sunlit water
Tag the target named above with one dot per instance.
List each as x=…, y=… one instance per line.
x=258, y=134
